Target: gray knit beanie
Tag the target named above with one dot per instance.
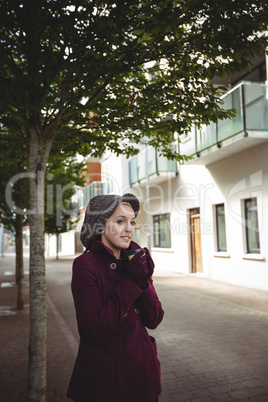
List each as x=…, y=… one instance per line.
x=98, y=210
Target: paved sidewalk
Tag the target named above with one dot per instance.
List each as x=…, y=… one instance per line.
x=213, y=342
x=14, y=336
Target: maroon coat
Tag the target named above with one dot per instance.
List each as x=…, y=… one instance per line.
x=117, y=361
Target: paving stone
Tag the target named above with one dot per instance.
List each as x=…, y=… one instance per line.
x=212, y=342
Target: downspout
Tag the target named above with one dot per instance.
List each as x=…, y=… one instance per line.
x=243, y=112
x=156, y=163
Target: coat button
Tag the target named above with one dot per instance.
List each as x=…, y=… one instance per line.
x=136, y=311
x=113, y=265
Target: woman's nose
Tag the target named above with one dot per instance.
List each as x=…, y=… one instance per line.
x=128, y=227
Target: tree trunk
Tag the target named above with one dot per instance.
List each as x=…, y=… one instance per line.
x=19, y=261
x=38, y=319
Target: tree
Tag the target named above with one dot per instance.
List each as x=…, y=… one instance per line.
x=85, y=76
x=62, y=180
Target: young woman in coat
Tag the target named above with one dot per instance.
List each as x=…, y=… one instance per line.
x=115, y=301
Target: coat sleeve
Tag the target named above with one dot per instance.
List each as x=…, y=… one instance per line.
x=98, y=320
x=150, y=307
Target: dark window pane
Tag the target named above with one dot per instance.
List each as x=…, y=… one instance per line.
x=161, y=229
x=221, y=230
x=252, y=227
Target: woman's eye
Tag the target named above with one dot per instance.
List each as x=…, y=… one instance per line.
x=133, y=223
x=120, y=222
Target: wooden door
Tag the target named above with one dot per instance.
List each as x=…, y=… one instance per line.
x=196, y=248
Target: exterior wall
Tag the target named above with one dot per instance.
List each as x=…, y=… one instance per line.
x=239, y=177
x=115, y=170
x=177, y=196
x=94, y=171
x=67, y=244
x=227, y=181
x=50, y=245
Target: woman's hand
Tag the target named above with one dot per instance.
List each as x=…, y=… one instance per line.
x=140, y=268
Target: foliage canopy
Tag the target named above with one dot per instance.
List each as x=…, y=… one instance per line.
x=89, y=74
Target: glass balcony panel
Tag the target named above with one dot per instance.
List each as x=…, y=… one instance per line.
x=105, y=188
x=133, y=170
x=228, y=127
x=137, y=165
x=93, y=189
x=187, y=143
x=165, y=165
x=206, y=137
x=256, y=107
x=141, y=166
x=151, y=161
x=254, y=112
x=80, y=198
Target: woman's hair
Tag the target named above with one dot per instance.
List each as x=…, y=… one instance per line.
x=99, y=210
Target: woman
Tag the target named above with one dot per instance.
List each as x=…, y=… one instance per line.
x=114, y=300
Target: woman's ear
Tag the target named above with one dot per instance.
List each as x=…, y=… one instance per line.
x=99, y=229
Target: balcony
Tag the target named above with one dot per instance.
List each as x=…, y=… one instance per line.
x=230, y=136
x=93, y=189
x=159, y=167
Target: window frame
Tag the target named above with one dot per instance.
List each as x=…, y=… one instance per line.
x=247, y=211
x=157, y=233
x=218, y=214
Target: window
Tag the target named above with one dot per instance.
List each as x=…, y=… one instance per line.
x=252, y=227
x=220, y=228
x=161, y=228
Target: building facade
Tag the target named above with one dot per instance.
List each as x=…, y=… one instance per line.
x=208, y=216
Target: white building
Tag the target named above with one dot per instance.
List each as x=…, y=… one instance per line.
x=208, y=216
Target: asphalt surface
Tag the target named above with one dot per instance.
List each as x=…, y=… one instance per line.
x=212, y=343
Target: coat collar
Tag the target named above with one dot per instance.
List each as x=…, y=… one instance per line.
x=99, y=247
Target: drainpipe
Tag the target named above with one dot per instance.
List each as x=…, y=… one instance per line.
x=217, y=136
x=195, y=137
x=242, y=93
x=156, y=163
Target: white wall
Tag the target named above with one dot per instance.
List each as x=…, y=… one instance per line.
x=177, y=196
x=67, y=241
x=115, y=170
x=227, y=181
x=242, y=176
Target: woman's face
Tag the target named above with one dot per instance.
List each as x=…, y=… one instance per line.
x=119, y=229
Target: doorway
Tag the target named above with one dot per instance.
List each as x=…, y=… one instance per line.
x=195, y=239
